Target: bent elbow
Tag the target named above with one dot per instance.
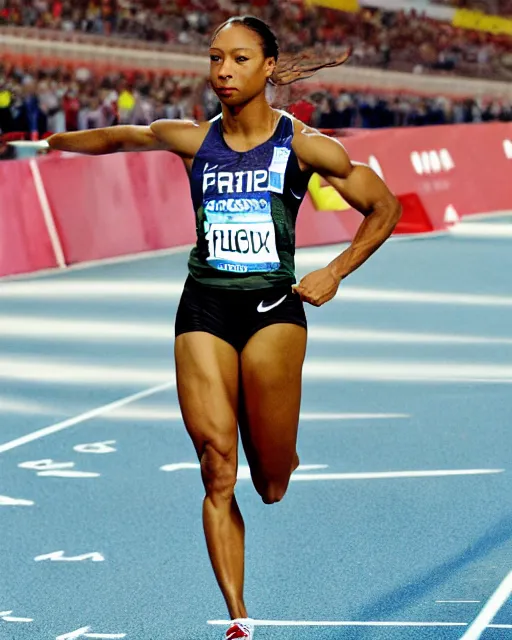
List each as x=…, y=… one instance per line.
x=397, y=212
x=157, y=127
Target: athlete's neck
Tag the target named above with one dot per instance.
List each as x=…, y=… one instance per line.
x=252, y=120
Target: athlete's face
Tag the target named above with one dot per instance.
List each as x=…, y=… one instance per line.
x=238, y=69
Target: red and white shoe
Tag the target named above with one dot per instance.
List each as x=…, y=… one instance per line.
x=240, y=628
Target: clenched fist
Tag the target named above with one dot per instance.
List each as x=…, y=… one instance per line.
x=318, y=287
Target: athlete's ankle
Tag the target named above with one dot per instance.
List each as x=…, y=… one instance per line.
x=237, y=611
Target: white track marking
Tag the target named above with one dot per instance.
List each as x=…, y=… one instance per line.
x=105, y=635
x=69, y=474
x=65, y=329
x=457, y=601
x=482, y=230
x=19, y=367
x=352, y=335
x=155, y=413
x=83, y=633
x=69, y=329
x=307, y=416
x=58, y=556
x=490, y=609
x=70, y=288
x=354, y=623
x=6, y=501
x=47, y=214
x=24, y=406
x=244, y=473
x=383, y=475
x=101, y=262
x=149, y=413
x=406, y=371
x=83, y=417
x=73, y=372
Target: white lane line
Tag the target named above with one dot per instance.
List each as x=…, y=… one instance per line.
x=482, y=230
x=24, y=406
x=490, y=609
x=405, y=370
x=352, y=335
x=49, y=220
x=382, y=475
x=245, y=474
x=159, y=413
x=99, y=263
x=71, y=289
x=421, y=297
x=6, y=501
x=73, y=372
x=456, y=601
x=83, y=417
x=65, y=329
x=354, y=623
x=352, y=416
x=169, y=290
x=70, y=328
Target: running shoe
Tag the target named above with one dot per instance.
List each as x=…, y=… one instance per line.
x=240, y=628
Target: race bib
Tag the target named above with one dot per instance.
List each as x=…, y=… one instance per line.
x=240, y=234
x=277, y=169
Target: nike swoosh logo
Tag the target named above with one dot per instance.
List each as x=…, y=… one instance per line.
x=262, y=307
x=294, y=194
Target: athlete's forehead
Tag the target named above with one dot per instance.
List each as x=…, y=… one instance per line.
x=233, y=49
x=234, y=37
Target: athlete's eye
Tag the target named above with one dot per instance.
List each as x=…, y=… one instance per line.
x=214, y=58
x=241, y=59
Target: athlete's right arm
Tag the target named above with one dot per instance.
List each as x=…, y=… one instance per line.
x=124, y=138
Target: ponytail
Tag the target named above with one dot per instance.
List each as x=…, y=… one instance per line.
x=292, y=67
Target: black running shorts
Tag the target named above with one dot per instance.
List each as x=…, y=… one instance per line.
x=236, y=315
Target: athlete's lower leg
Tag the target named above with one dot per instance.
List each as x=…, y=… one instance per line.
x=224, y=530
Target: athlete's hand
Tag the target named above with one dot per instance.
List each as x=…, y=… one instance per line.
x=318, y=287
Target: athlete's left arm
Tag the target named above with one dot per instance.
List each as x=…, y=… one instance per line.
x=362, y=189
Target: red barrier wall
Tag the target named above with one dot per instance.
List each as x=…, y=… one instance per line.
x=127, y=203
x=24, y=242
x=467, y=166
x=114, y=205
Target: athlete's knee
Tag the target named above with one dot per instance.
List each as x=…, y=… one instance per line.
x=218, y=471
x=272, y=491
x=272, y=487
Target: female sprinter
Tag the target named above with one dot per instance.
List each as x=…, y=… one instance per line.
x=240, y=326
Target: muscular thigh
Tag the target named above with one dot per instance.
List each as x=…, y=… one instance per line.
x=207, y=382
x=271, y=375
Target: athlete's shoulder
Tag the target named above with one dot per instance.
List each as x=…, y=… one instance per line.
x=310, y=145
x=183, y=137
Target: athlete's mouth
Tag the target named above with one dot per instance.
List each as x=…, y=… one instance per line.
x=226, y=91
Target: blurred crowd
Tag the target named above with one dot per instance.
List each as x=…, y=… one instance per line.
x=492, y=7
x=389, y=39
x=36, y=101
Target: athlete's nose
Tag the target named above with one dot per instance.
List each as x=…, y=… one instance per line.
x=225, y=70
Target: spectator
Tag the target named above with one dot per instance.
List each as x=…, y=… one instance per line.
x=36, y=101
x=389, y=39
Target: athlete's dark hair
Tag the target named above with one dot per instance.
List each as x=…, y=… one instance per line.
x=269, y=41
x=291, y=67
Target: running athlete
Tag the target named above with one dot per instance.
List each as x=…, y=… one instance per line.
x=241, y=326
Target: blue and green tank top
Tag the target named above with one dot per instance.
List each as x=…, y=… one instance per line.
x=246, y=204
